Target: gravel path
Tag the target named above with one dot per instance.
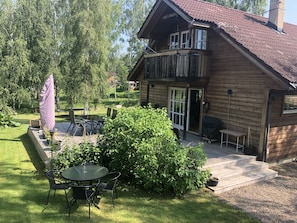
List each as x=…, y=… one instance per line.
x=270, y=201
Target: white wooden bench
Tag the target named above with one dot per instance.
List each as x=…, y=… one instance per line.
x=236, y=134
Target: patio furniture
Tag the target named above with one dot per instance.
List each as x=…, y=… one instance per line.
x=99, y=122
x=86, y=193
x=108, y=183
x=75, y=124
x=211, y=127
x=83, y=173
x=55, y=184
x=236, y=134
x=114, y=113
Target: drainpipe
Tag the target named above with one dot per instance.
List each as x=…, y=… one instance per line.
x=269, y=108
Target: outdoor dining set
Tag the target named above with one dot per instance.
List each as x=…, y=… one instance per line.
x=87, y=182
x=88, y=123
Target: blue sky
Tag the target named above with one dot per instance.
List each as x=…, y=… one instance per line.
x=290, y=11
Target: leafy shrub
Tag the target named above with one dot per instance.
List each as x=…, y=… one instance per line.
x=76, y=155
x=6, y=120
x=141, y=144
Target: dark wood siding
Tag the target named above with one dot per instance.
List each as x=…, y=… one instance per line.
x=250, y=86
x=158, y=93
x=229, y=69
x=283, y=133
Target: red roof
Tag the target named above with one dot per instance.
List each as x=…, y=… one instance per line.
x=277, y=50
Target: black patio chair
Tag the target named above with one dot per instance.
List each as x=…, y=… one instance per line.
x=75, y=124
x=108, y=183
x=114, y=113
x=56, y=184
x=85, y=193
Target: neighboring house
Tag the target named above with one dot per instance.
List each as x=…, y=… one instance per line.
x=239, y=67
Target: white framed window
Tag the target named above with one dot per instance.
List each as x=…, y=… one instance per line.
x=174, y=40
x=185, y=39
x=290, y=104
x=200, y=39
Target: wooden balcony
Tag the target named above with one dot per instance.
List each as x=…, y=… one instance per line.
x=176, y=65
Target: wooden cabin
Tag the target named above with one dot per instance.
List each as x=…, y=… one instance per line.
x=203, y=59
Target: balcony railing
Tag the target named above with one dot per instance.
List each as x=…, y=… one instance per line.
x=176, y=64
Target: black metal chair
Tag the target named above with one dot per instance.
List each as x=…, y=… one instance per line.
x=75, y=124
x=114, y=113
x=56, y=184
x=86, y=193
x=108, y=183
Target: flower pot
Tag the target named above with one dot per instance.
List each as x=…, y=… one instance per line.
x=212, y=181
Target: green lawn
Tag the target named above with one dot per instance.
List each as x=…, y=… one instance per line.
x=24, y=190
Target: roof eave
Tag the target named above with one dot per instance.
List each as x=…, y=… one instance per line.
x=151, y=18
x=133, y=73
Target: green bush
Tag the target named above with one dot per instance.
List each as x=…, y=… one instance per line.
x=6, y=120
x=141, y=144
x=76, y=155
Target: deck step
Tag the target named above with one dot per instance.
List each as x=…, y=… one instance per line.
x=235, y=170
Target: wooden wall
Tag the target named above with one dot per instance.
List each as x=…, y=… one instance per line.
x=283, y=133
x=158, y=93
x=250, y=86
x=229, y=69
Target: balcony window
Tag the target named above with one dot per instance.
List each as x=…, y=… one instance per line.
x=174, y=40
x=185, y=40
x=200, y=36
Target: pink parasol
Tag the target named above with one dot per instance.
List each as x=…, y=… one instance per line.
x=47, y=104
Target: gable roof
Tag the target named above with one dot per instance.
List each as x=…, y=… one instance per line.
x=275, y=51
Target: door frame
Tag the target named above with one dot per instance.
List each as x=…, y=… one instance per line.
x=186, y=110
x=200, y=115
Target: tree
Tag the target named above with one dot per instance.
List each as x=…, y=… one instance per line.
x=254, y=6
x=134, y=14
x=86, y=48
x=14, y=64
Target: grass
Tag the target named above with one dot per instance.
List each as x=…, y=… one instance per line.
x=23, y=191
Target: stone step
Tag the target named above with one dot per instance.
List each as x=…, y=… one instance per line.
x=244, y=179
x=234, y=170
x=227, y=160
x=237, y=170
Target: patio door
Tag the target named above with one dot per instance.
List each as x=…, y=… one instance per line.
x=176, y=107
x=194, y=110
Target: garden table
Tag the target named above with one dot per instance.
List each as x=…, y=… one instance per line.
x=84, y=173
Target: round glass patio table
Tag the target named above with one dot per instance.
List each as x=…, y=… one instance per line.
x=84, y=173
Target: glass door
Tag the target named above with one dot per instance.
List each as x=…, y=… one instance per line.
x=177, y=107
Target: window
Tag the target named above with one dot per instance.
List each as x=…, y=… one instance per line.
x=185, y=37
x=290, y=104
x=174, y=41
x=200, y=39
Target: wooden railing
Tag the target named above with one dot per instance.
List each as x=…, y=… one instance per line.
x=175, y=64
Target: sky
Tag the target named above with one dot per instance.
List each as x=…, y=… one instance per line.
x=290, y=11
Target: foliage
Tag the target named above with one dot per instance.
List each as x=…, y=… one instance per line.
x=24, y=189
x=6, y=120
x=254, y=6
x=141, y=144
x=76, y=155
